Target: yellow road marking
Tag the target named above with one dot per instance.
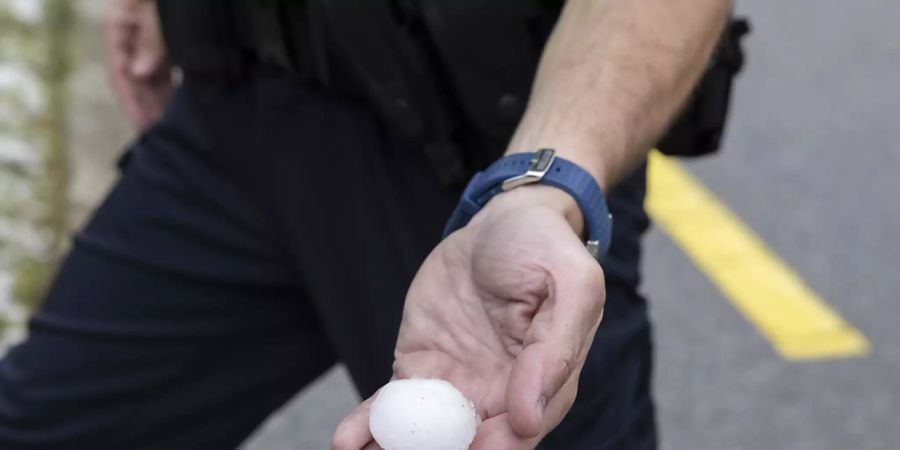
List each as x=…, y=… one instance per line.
x=797, y=322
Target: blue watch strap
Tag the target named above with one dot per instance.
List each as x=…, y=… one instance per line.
x=544, y=168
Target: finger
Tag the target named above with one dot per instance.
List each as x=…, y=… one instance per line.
x=142, y=100
x=146, y=107
x=138, y=100
x=152, y=96
x=119, y=27
x=555, y=348
x=353, y=432
x=128, y=97
x=497, y=433
x=119, y=33
x=149, y=48
x=134, y=45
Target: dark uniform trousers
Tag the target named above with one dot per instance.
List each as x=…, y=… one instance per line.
x=264, y=230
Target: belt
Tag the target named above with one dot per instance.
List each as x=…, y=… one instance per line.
x=216, y=38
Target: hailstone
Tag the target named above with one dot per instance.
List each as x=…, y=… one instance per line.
x=422, y=414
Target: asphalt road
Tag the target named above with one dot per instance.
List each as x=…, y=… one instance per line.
x=812, y=164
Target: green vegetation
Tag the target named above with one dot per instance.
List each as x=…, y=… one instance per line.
x=33, y=196
x=31, y=277
x=54, y=74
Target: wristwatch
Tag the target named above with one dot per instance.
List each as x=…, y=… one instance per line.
x=542, y=167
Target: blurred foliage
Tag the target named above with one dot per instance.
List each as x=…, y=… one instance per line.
x=33, y=188
x=59, y=15
x=31, y=278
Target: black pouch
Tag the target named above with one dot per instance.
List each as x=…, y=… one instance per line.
x=698, y=130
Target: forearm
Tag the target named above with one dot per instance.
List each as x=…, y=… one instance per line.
x=612, y=77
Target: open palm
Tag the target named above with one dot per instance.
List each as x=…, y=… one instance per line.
x=505, y=309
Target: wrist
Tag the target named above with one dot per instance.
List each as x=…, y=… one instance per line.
x=591, y=161
x=574, y=147
x=538, y=182
x=539, y=196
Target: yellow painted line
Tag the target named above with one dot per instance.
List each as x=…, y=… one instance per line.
x=797, y=322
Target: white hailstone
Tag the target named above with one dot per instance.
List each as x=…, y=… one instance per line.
x=422, y=414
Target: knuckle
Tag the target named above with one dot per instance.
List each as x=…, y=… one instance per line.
x=587, y=274
x=594, y=276
x=588, y=279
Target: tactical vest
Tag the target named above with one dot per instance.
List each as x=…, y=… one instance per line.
x=456, y=75
x=451, y=76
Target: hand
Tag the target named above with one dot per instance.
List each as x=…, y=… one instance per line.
x=136, y=60
x=505, y=309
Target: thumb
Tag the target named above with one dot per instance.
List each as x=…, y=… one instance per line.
x=545, y=373
x=538, y=374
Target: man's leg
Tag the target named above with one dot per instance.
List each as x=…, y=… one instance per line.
x=360, y=209
x=176, y=321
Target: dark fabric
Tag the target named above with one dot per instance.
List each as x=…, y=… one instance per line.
x=264, y=230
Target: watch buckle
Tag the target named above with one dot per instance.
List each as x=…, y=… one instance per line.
x=541, y=163
x=593, y=247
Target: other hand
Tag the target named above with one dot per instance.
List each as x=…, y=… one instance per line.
x=136, y=62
